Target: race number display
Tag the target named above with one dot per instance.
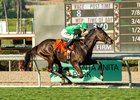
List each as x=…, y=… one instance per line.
x=119, y=19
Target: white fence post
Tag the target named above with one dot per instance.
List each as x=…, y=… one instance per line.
x=138, y=65
x=9, y=65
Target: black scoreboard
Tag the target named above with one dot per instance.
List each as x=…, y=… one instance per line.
x=121, y=20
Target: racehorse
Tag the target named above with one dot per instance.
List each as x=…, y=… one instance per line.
x=80, y=55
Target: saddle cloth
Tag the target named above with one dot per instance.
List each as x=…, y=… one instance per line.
x=61, y=46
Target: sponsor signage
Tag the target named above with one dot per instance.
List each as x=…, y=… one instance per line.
x=112, y=71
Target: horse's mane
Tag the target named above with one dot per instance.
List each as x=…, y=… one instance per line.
x=90, y=33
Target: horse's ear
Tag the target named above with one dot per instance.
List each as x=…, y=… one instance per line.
x=97, y=27
x=101, y=26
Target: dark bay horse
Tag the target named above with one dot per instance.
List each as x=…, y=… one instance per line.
x=81, y=54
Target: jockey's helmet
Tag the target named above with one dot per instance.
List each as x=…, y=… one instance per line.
x=84, y=26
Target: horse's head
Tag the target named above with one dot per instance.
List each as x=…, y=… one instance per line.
x=101, y=35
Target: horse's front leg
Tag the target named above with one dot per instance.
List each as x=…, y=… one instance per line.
x=91, y=62
x=78, y=69
x=100, y=67
x=101, y=70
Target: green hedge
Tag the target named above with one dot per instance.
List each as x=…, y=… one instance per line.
x=12, y=24
x=9, y=52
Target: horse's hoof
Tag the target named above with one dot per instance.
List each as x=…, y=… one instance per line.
x=73, y=76
x=78, y=76
x=62, y=82
x=101, y=77
x=73, y=84
x=69, y=82
x=68, y=73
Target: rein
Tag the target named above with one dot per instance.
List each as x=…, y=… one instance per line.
x=91, y=32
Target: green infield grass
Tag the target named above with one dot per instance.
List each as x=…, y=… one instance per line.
x=69, y=93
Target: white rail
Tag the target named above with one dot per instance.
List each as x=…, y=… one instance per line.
x=19, y=57
x=112, y=56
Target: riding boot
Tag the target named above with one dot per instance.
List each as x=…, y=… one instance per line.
x=69, y=43
x=68, y=49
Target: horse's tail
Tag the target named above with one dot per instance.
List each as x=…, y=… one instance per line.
x=28, y=56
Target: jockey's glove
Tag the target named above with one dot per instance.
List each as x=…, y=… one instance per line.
x=82, y=37
x=84, y=33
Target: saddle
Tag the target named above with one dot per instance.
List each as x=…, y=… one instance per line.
x=60, y=45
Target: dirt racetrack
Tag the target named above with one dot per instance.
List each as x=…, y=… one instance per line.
x=16, y=78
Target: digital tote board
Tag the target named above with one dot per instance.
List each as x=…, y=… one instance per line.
x=121, y=20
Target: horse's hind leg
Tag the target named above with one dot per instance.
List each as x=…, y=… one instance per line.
x=50, y=69
x=60, y=71
x=91, y=62
x=58, y=68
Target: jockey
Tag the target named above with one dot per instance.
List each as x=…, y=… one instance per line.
x=74, y=32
